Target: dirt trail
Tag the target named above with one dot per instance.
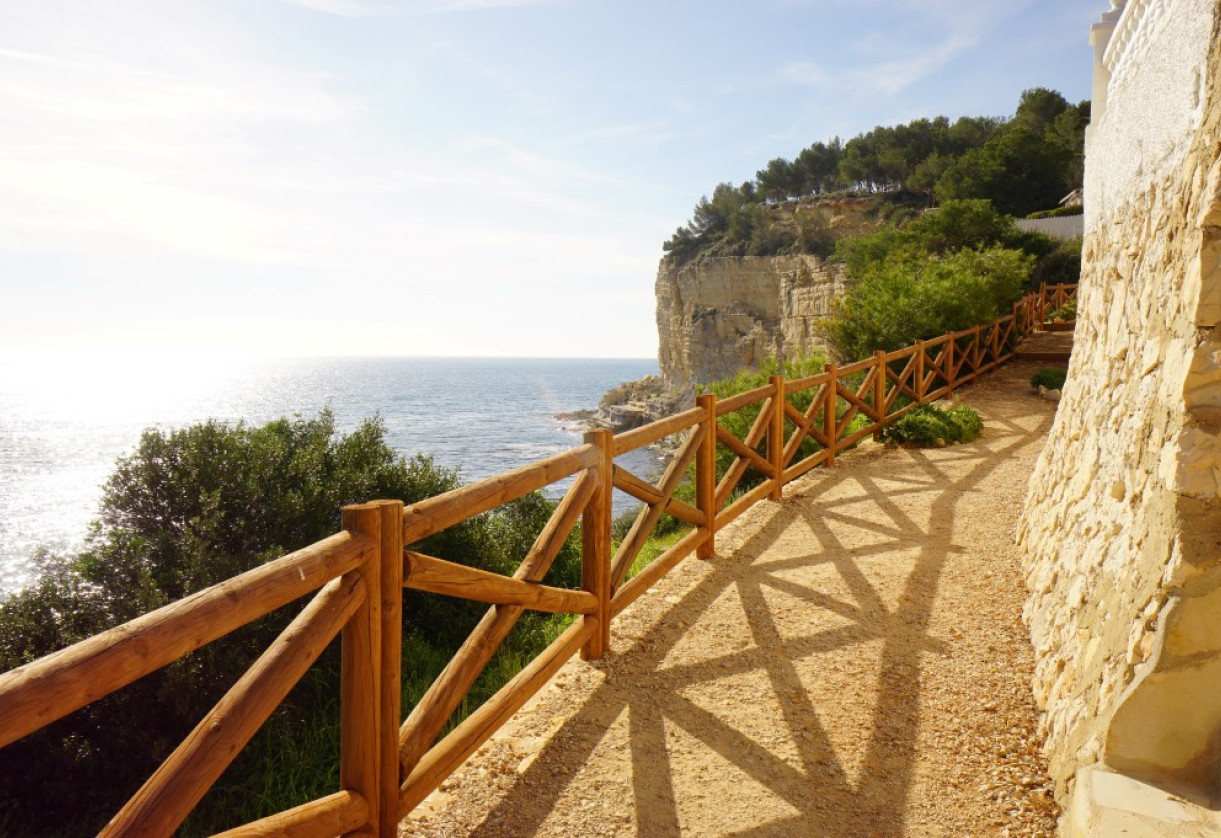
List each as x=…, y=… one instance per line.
x=851, y=663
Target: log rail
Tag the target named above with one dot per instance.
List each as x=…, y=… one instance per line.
x=356, y=578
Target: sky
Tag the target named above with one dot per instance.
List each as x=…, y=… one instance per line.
x=435, y=177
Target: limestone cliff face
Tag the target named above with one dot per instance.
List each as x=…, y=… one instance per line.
x=719, y=314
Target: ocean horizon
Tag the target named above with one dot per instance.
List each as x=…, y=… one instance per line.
x=65, y=419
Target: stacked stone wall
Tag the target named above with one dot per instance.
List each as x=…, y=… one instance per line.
x=1122, y=526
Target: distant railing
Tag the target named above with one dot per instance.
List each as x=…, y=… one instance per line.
x=386, y=769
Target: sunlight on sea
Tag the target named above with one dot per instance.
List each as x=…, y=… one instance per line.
x=66, y=418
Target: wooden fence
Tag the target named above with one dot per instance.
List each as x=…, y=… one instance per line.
x=387, y=766
x=1049, y=298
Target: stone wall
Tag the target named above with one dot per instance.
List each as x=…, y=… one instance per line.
x=718, y=315
x=1122, y=524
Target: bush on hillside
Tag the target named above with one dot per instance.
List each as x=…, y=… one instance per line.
x=1021, y=164
x=912, y=296
x=1057, y=261
x=187, y=509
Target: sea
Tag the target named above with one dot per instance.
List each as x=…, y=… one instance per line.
x=66, y=419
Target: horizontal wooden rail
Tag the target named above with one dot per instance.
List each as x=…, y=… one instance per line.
x=165, y=800
x=654, y=431
x=801, y=467
x=50, y=688
x=426, y=573
x=742, y=504
x=429, y=517
x=858, y=366
x=656, y=569
x=326, y=817
x=799, y=384
x=741, y=400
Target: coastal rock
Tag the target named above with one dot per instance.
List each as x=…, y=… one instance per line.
x=631, y=405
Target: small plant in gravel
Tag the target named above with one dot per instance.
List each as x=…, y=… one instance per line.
x=1050, y=377
x=928, y=426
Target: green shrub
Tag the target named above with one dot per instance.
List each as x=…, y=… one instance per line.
x=1057, y=261
x=912, y=296
x=1066, y=312
x=928, y=426
x=1050, y=377
x=186, y=510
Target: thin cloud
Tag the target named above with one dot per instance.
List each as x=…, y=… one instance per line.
x=806, y=73
x=649, y=133
x=948, y=29
x=888, y=77
x=37, y=58
x=409, y=8
x=893, y=77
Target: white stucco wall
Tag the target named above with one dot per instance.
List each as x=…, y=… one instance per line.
x=1062, y=227
x=1153, y=99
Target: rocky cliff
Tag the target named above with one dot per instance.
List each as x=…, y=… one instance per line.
x=716, y=315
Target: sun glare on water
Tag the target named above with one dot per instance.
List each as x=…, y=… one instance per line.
x=105, y=388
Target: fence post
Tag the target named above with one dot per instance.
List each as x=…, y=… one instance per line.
x=920, y=372
x=596, y=542
x=976, y=357
x=879, y=391
x=775, y=436
x=360, y=684
x=951, y=374
x=391, y=664
x=830, y=419
x=705, y=475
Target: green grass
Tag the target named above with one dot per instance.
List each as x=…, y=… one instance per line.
x=654, y=547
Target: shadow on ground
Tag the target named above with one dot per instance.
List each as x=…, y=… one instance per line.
x=729, y=704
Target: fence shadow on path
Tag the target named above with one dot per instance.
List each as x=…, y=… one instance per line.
x=780, y=695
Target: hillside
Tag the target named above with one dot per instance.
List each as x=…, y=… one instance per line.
x=1021, y=164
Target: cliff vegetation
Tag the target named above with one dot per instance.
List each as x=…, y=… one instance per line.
x=1021, y=164
x=959, y=266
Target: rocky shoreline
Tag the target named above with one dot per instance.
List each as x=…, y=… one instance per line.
x=631, y=405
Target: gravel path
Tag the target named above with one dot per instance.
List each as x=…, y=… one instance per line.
x=852, y=662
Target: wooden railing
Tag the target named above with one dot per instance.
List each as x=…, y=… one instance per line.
x=387, y=768
x=1051, y=297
